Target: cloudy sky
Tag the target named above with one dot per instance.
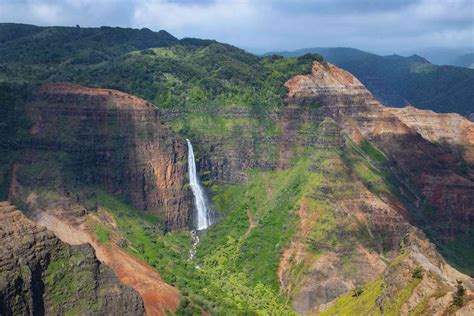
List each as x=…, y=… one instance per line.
x=382, y=26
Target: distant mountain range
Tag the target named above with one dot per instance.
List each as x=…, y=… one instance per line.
x=466, y=60
x=399, y=81
x=446, y=56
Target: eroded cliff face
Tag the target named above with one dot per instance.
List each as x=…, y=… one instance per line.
x=402, y=167
x=450, y=128
x=61, y=218
x=86, y=137
x=42, y=275
x=430, y=152
x=418, y=281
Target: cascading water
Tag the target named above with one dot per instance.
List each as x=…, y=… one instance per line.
x=203, y=218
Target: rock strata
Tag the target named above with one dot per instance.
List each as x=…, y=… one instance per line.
x=431, y=152
x=83, y=137
x=425, y=160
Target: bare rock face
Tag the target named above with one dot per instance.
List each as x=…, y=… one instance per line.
x=327, y=85
x=98, y=137
x=41, y=275
x=449, y=128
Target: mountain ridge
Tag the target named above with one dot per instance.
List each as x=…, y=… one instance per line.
x=398, y=81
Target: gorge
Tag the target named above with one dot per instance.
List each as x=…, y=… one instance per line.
x=329, y=203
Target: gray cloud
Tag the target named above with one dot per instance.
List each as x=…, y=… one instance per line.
x=380, y=26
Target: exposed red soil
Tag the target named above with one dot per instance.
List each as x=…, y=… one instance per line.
x=157, y=295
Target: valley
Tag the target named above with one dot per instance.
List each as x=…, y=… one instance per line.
x=319, y=199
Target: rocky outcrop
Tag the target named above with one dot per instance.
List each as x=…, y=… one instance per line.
x=41, y=275
x=417, y=282
x=450, y=128
x=85, y=137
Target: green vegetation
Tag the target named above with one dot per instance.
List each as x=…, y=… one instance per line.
x=210, y=287
x=236, y=263
x=369, y=164
x=102, y=234
x=259, y=225
x=392, y=308
x=79, y=46
x=460, y=252
x=14, y=129
x=172, y=73
x=65, y=278
x=420, y=308
x=373, y=298
x=418, y=273
x=373, y=153
x=168, y=254
x=459, y=295
x=364, y=304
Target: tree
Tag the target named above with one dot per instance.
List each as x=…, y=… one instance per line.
x=458, y=298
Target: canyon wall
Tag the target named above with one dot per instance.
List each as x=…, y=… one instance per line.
x=86, y=137
x=383, y=172
x=431, y=152
x=403, y=167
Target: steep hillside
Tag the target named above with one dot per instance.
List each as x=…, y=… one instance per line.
x=77, y=143
x=350, y=205
x=400, y=81
x=440, y=187
x=41, y=275
x=186, y=73
x=162, y=69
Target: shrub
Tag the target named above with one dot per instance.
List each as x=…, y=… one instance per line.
x=418, y=273
x=357, y=291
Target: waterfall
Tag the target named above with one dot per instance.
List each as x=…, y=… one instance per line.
x=203, y=219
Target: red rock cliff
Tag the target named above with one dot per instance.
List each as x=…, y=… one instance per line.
x=106, y=138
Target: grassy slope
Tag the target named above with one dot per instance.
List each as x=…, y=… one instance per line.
x=366, y=303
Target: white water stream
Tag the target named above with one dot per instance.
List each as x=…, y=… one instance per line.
x=203, y=219
x=203, y=216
